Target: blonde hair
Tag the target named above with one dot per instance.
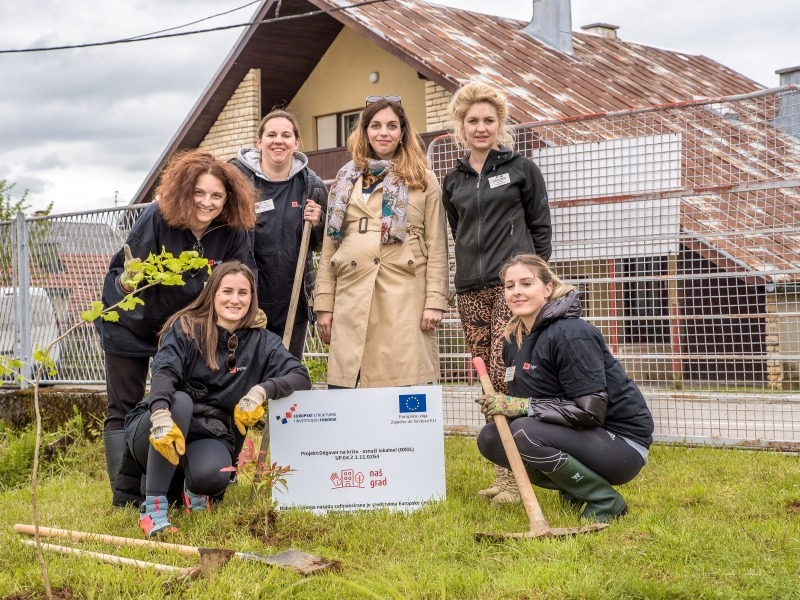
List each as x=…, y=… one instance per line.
x=472, y=93
x=542, y=271
x=410, y=162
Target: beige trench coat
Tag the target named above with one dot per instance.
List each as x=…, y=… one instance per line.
x=377, y=292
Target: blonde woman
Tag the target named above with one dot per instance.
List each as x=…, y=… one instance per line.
x=581, y=424
x=496, y=204
x=382, y=284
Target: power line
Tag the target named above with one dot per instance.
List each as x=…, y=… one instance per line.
x=198, y=31
x=227, y=12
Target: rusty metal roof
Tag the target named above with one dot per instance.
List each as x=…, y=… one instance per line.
x=451, y=46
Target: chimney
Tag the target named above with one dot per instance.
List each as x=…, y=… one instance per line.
x=788, y=117
x=552, y=24
x=602, y=29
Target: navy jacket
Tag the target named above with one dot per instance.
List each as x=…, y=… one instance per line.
x=276, y=242
x=566, y=357
x=494, y=215
x=136, y=332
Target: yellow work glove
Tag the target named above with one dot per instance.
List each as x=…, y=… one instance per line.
x=250, y=409
x=165, y=436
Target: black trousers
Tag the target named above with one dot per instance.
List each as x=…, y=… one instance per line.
x=126, y=377
x=542, y=445
x=201, y=463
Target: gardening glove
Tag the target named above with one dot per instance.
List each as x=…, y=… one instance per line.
x=500, y=404
x=250, y=409
x=127, y=273
x=165, y=435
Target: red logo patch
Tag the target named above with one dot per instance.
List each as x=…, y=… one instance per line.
x=295, y=205
x=526, y=366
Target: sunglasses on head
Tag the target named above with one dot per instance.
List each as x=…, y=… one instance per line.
x=233, y=343
x=373, y=99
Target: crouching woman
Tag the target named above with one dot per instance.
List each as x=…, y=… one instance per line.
x=215, y=368
x=581, y=425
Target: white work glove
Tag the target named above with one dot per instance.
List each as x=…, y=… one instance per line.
x=250, y=408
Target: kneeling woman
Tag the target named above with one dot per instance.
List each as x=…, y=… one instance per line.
x=215, y=367
x=581, y=425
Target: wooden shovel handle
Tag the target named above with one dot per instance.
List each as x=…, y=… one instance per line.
x=68, y=534
x=117, y=560
x=529, y=501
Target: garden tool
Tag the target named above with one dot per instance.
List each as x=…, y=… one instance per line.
x=301, y=562
x=539, y=527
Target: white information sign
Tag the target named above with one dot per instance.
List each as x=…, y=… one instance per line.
x=359, y=449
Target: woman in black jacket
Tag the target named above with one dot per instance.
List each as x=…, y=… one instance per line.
x=202, y=204
x=290, y=194
x=215, y=368
x=579, y=422
x=496, y=204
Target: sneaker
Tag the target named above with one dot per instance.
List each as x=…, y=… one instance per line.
x=195, y=502
x=153, y=519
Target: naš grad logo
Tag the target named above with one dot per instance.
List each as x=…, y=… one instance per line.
x=412, y=403
x=287, y=415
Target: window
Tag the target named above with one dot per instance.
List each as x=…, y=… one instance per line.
x=332, y=130
x=646, y=300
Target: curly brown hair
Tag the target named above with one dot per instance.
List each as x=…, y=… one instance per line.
x=411, y=164
x=175, y=191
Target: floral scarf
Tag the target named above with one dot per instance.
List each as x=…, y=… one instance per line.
x=393, y=205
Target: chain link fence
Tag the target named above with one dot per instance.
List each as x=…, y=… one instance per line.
x=679, y=223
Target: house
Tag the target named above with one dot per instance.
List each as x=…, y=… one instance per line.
x=682, y=220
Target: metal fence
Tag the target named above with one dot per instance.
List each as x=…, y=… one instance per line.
x=680, y=224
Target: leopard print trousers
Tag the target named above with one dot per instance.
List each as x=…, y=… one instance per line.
x=484, y=315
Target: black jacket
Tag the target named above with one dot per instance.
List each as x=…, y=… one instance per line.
x=494, y=215
x=276, y=242
x=566, y=357
x=136, y=332
x=261, y=358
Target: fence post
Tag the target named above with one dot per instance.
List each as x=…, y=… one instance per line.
x=22, y=278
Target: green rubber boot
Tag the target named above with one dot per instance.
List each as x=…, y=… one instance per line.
x=603, y=502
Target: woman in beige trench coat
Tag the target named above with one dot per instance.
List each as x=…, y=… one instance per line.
x=382, y=285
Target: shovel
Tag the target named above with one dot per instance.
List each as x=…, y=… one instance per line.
x=539, y=528
x=301, y=562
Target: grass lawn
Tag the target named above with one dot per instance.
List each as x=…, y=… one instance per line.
x=703, y=523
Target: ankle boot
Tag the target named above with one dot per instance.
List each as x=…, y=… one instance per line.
x=603, y=502
x=509, y=492
x=153, y=519
x=195, y=502
x=494, y=487
x=113, y=447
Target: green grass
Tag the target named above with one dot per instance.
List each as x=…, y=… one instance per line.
x=703, y=523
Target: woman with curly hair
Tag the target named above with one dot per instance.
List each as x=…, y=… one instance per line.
x=201, y=204
x=382, y=285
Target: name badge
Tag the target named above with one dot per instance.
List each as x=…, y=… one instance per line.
x=264, y=206
x=509, y=376
x=499, y=180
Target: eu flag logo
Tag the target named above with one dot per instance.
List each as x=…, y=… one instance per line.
x=412, y=403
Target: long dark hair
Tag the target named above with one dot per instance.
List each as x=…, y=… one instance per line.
x=198, y=320
x=410, y=163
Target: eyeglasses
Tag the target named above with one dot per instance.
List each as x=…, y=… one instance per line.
x=373, y=99
x=233, y=343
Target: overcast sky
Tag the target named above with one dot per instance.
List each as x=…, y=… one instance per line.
x=82, y=127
